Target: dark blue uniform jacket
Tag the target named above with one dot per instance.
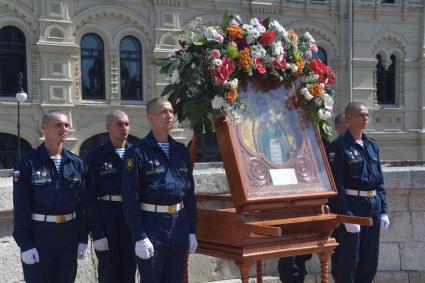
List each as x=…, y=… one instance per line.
x=38, y=188
x=103, y=177
x=151, y=177
x=357, y=168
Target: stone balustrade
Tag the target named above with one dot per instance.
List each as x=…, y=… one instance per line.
x=402, y=251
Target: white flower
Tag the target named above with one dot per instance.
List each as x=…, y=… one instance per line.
x=327, y=101
x=308, y=36
x=294, y=68
x=210, y=32
x=254, y=30
x=324, y=114
x=258, y=51
x=218, y=102
x=233, y=83
x=278, y=29
x=304, y=91
x=174, y=77
x=217, y=62
x=278, y=50
x=318, y=101
x=193, y=65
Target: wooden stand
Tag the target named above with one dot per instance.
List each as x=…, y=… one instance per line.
x=269, y=218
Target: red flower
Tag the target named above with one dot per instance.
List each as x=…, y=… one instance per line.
x=259, y=65
x=221, y=74
x=267, y=38
x=229, y=65
x=280, y=65
x=324, y=73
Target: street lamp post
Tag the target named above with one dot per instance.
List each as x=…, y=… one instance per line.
x=21, y=96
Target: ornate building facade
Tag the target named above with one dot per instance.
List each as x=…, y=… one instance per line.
x=89, y=57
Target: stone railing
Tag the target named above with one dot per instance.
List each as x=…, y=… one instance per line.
x=402, y=250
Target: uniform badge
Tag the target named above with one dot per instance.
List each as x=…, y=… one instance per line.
x=43, y=173
x=156, y=162
x=130, y=163
x=16, y=175
x=38, y=173
x=356, y=152
x=331, y=156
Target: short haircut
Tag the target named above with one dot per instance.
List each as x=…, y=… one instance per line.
x=153, y=102
x=353, y=106
x=338, y=118
x=49, y=115
x=114, y=114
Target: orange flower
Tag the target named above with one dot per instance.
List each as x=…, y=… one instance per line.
x=234, y=32
x=245, y=60
x=231, y=95
x=293, y=36
x=300, y=64
x=315, y=90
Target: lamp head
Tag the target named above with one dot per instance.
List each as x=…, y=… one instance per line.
x=21, y=96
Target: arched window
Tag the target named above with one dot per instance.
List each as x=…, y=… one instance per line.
x=95, y=141
x=386, y=80
x=92, y=67
x=12, y=60
x=321, y=54
x=9, y=150
x=131, y=69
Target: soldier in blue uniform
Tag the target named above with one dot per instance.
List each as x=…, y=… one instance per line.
x=158, y=199
x=48, y=199
x=111, y=237
x=354, y=160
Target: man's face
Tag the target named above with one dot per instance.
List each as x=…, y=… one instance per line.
x=118, y=128
x=56, y=129
x=358, y=119
x=161, y=116
x=342, y=126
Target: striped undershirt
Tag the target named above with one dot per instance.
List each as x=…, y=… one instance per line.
x=165, y=146
x=57, y=161
x=120, y=152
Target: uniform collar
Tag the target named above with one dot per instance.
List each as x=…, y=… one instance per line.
x=151, y=141
x=109, y=148
x=43, y=154
x=349, y=138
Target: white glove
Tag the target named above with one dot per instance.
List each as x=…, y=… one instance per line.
x=385, y=222
x=193, y=243
x=352, y=228
x=30, y=256
x=82, y=251
x=101, y=245
x=144, y=249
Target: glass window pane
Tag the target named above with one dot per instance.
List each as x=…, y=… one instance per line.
x=12, y=60
x=131, y=69
x=321, y=54
x=92, y=67
x=131, y=44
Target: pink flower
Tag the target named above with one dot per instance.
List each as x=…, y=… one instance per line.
x=233, y=22
x=314, y=47
x=233, y=44
x=219, y=37
x=215, y=54
x=308, y=54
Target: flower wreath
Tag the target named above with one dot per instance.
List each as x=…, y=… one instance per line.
x=214, y=63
